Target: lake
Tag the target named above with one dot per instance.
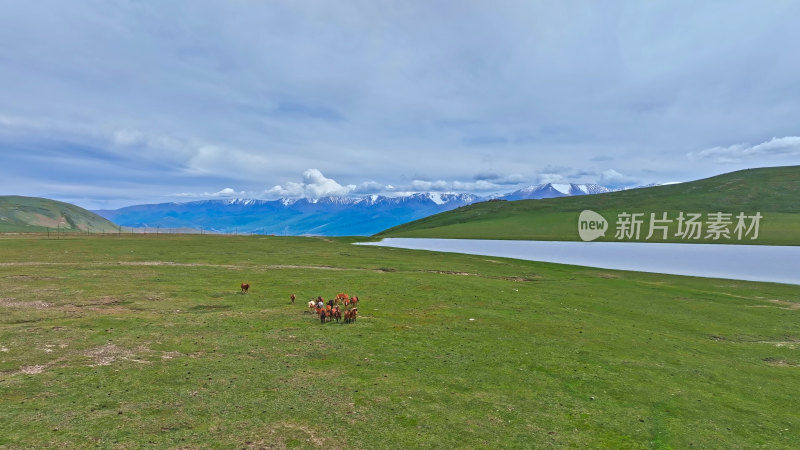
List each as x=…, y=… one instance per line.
x=779, y=264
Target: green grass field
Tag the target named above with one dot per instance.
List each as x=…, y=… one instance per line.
x=124, y=342
x=31, y=214
x=772, y=192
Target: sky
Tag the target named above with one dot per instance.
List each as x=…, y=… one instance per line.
x=110, y=103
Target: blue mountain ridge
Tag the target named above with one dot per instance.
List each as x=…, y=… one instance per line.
x=327, y=216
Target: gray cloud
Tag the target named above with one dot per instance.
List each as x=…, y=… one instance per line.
x=498, y=179
x=788, y=146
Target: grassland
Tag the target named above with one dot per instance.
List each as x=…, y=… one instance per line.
x=131, y=341
x=772, y=192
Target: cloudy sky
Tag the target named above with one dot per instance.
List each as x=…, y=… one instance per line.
x=108, y=103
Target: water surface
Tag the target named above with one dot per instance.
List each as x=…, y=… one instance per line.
x=780, y=264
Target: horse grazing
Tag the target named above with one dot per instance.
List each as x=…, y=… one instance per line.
x=245, y=288
x=311, y=306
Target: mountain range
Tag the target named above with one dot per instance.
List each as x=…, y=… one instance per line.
x=327, y=216
x=553, y=190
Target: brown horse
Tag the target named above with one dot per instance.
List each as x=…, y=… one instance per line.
x=337, y=314
x=245, y=288
x=292, y=297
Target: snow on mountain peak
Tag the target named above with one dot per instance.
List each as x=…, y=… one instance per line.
x=563, y=188
x=436, y=198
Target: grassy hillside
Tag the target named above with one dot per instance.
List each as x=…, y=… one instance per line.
x=31, y=214
x=146, y=342
x=772, y=192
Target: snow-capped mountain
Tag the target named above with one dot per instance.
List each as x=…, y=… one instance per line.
x=328, y=216
x=552, y=190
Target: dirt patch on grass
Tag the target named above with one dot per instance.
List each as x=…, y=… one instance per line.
x=788, y=305
x=13, y=303
x=105, y=355
x=522, y=279
x=106, y=300
x=776, y=362
x=171, y=355
x=292, y=266
x=32, y=277
x=450, y=272
x=793, y=344
x=32, y=370
x=286, y=435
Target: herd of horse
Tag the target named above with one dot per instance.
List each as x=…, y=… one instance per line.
x=327, y=312
x=332, y=310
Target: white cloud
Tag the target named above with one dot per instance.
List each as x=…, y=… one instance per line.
x=612, y=178
x=549, y=177
x=372, y=187
x=785, y=146
x=314, y=185
x=227, y=192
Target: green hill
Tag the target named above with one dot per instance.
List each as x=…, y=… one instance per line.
x=772, y=192
x=31, y=214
